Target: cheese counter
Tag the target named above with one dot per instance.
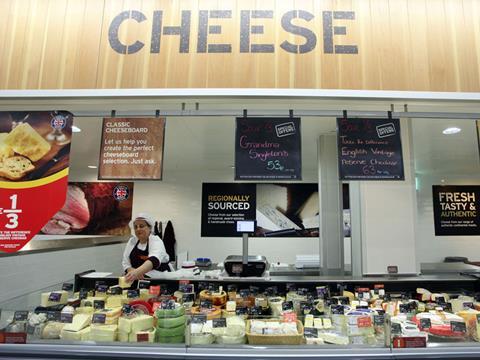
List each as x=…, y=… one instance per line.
x=103, y=316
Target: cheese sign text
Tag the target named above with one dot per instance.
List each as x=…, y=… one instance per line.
x=251, y=26
x=456, y=210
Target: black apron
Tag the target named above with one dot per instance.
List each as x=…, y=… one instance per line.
x=138, y=257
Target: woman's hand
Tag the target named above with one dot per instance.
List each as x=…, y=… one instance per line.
x=133, y=275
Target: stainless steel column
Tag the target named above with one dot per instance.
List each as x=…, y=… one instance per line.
x=331, y=206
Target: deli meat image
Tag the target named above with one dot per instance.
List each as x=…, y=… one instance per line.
x=87, y=206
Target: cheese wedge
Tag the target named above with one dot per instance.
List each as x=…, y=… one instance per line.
x=79, y=322
x=82, y=335
x=63, y=298
x=26, y=141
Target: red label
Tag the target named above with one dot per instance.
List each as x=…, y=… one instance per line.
x=409, y=342
x=364, y=321
x=142, y=337
x=154, y=290
x=378, y=286
x=289, y=317
x=361, y=290
x=14, y=338
x=155, y=306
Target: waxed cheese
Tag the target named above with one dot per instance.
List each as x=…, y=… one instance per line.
x=45, y=298
x=139, y=323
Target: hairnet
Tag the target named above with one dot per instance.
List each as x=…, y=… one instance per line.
x=147, y=218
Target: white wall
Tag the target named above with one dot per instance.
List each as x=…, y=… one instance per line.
x=22, y=274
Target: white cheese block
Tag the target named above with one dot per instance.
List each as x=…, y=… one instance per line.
x=104, y=332
x=139, y=323
x=309, y=321
x=142, y=336
x=327, y=323
x=82, y=335
x=63, y=298
x=84, y=310
x=80, y=321
x=52, y=330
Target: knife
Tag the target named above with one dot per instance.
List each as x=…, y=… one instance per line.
x=38, y=173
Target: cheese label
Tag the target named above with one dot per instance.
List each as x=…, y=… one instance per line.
x=66, y=318
x=289, y=317
x=379, y=320
x=116, y=290
x=98, y=304
x=306, y=307
x=199, y=318
x=255, y=311
x=322, y=292
x=302, y=291
x=287, y=306
x=99, y=318
x=425, y=323
x=458, y=326
x=187, y=298
x=168, y=305
x=396, y=328
x=83, y=294
x=404, y=308
x=219, y=323
x=102, y=288
x=142, y=337
x=154, y=290
x=99, y=283
x=241, y=310
x=127, y=309
x=67, y=286
x=468, y=305
x=143, y=284
x=364, y=321
x=53, y=316
x=132, y=294
x=337, y=309
x=54, y=297
x=310, y=332
x=20, y=315
x=205, y=304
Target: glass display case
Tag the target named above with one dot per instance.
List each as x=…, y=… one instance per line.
x=372, y=317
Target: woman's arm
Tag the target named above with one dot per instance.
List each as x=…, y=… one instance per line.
x=137, y=274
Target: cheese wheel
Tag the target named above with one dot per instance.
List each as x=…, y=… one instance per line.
x=170, y=322
x=170, y=313
x=175, y=331
x=171, y=339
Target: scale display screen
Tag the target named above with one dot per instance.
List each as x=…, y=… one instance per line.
x=246, y=226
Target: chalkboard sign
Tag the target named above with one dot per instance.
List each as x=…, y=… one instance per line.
x=370, y=149
x=268, y=149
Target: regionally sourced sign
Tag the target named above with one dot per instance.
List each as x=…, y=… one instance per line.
x=34, y=159
x=369, y=149
x=456, y=210
x=280, y=210
x=268, y=149
x=94, y=208
x=131, y=148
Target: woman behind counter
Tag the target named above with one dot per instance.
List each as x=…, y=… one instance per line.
x=145, y=252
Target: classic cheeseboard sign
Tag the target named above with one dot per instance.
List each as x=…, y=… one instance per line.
x=268, y=149
x=132, y=148
x=34, y=159
x=369, y=149
x=456, y=210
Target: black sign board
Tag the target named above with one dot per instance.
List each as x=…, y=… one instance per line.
x=369, y=149
x=268, y=149
x=456, y=210
x=223, y=205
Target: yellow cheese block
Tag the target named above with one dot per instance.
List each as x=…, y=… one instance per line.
x=84, y=310
x=114, y=301
x=139, y=323
x=82, y=335
x=26, y=141
x=123, y=283
x=78, y=323
x=63, y=298
x=103, y=332
x=111, y=315
x=142, y=336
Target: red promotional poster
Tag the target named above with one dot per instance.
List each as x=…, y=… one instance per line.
x=34, y=158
